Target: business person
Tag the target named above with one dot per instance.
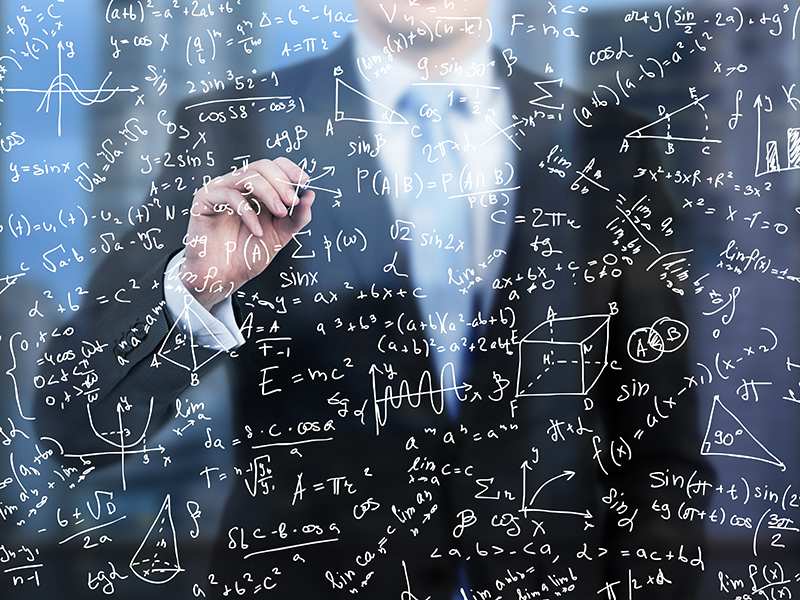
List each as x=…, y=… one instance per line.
x=430, y=374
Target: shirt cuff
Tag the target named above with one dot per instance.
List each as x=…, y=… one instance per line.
x=216, y=330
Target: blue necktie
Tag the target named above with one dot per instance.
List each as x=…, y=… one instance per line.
x=440, y=252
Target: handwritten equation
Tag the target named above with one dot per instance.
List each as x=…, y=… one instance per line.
x=448, y=299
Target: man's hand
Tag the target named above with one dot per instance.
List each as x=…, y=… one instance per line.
x=238, y=224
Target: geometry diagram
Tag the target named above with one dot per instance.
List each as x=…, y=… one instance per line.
x=649, y=130
x=156, y=560
x=63, y=83
x=648, y=344
x=180, y=335
x=122, y=447
x=773, y=150
x=388, y=115
x=727, y=436
x=563, y=356
x=527, y=504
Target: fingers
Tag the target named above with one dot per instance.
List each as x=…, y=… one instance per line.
x=297, y=179
x=300, y=214
x=260, y=200
x=275, y=186
x=266, y=183
x=250, y=219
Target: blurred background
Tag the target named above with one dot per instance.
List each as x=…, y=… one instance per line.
x=88, y=92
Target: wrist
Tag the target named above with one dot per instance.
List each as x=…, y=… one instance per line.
x=203, y=285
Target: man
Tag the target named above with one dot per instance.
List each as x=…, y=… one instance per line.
x=430, y=376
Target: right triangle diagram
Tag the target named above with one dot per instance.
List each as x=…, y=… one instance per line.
x=344, y=97
x=726, y=435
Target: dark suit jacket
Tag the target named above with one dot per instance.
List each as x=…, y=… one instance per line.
x=541, y=478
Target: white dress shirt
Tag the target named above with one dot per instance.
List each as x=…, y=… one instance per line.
x=484, y=150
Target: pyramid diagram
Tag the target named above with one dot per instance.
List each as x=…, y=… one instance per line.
x=181, y=334
x=156, y=560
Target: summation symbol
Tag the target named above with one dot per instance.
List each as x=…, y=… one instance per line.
x=63, y=83
x=156, y=560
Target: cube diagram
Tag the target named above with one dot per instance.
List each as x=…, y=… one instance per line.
x=563, y=356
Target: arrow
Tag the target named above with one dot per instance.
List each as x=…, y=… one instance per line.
x=757, y=104
x=569, y=475
x=524, y=466
x=298, y=189
x=64, y=83
x=374, y=369
x=464, y=386
x=69, y=91
x=337, y=192
x=119, y=405
x=329, y=170
x=586, y=514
